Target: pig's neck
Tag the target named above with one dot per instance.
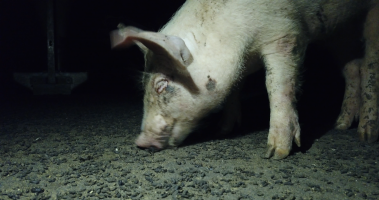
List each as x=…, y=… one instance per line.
x=217, y=43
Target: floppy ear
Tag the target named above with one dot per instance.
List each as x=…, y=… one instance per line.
x=119, y=37
x=171, y=47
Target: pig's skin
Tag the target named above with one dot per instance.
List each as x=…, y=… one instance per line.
x=361, y=98
x=210, y=45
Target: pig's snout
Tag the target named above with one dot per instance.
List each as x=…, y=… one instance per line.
x=149, y=143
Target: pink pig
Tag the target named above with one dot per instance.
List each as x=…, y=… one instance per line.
x=195, y=60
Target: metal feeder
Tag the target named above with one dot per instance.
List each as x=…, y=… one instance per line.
x=50, y=82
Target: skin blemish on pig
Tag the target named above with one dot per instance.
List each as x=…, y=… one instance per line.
x=368, y=96
x=170, y=92
x=170, y=89
x=194, y=37
x=372, y=65
x=211, y=84
x=287, y=45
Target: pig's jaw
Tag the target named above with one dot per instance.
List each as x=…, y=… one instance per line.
x=178, y=135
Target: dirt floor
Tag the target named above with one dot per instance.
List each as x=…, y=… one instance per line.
x=83, y=148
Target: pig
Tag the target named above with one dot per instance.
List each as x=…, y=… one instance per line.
x=194, y=62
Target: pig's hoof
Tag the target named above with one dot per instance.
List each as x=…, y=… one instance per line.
x=368, y=132
x=346, y=118
x=276, y=153
x=342, y=126
x=280, y=142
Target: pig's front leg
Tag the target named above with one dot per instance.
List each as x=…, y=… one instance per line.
x=282, y=59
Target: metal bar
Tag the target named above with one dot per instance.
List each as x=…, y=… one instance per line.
x=50, y=42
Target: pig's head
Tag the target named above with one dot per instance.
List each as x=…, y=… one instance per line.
x=171, y=104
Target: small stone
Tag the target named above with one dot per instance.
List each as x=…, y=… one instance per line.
x=37, y=190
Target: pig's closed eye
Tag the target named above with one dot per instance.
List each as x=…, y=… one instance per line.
x=161, y=85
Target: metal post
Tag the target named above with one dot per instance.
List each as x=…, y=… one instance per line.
x=51, y=82
x=50, y=42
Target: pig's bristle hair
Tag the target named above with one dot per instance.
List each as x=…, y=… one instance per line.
x=143, y=77
x=135, y=77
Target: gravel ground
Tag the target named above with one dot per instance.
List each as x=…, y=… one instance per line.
x=82, y=147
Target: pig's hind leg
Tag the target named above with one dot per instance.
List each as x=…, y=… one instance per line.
x=368, y=128
x=352, y=98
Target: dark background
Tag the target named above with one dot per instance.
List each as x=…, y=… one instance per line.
x=84, y=44
x=85, y=47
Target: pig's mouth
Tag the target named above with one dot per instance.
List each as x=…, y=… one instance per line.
x=170, y=136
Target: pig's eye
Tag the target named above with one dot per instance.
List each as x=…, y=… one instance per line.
x=161, y=85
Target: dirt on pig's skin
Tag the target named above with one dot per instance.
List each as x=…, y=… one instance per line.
x=81, y=147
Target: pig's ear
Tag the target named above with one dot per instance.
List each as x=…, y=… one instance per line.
x=121, y=37
x=170, y=47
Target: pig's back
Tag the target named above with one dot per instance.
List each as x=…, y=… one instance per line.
x=322, y=18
